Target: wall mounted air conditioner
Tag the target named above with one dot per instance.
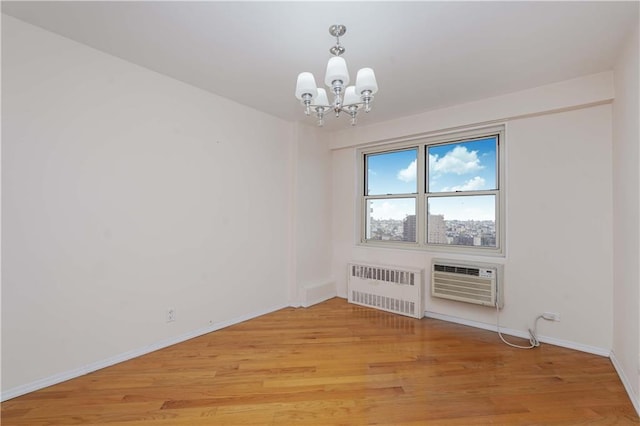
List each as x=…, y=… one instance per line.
x=470, y=282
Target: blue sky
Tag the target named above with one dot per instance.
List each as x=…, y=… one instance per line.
x=393, y=173
x=463, y=166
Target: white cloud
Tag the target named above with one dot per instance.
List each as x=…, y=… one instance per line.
x=473, y=184
x=408, y=174
x=458, y=161
x=395, y=209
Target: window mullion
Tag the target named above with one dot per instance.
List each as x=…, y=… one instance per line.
x=421, y=213
x=462, y=193
x=389, y=196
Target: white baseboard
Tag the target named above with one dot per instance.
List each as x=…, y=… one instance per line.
x=525, y=335
x=98, y=365
x=635, y=399
x=315, y=294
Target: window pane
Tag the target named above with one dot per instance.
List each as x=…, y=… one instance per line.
x=462, y=220
x=463, y=166
x=392, y=172
x=391, y=219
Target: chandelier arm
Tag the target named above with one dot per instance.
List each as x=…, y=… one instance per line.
x=348, y=115
x=367, y=98
x=358, y=104
x=337, y=86
x=320, y=115
x=306, y=101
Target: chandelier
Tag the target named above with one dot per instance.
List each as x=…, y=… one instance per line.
x=347, y=99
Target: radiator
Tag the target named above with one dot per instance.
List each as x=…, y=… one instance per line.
x=477, y=283
x=388, y=288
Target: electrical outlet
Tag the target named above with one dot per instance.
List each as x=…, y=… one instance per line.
x=171, y=314
x=551, y=316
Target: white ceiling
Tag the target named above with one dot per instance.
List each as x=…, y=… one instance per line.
x=426, y=55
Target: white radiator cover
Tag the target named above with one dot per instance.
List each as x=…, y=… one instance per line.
x=470, y=282
x=389, y=288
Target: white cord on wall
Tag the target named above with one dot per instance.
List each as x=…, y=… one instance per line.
x=533, y=339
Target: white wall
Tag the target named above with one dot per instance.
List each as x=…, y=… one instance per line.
x=626, y=210
x=559, y=214
x=125, y=192
x=587, y=90
x=311, y=248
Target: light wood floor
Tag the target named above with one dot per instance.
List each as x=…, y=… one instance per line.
x=338, y=364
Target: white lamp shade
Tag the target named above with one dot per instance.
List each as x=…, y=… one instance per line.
x=321, y=99
x=350, y=96
x=366, y=80
x=306, y=85
x=336, y=70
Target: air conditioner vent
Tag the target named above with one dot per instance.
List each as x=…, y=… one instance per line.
x=457, y=270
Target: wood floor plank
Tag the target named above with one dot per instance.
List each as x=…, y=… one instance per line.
x=338, y=364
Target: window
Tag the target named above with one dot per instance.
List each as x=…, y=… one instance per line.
x=441, y=193
x=391, y=195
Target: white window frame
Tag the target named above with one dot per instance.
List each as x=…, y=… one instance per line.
x=421, y=196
